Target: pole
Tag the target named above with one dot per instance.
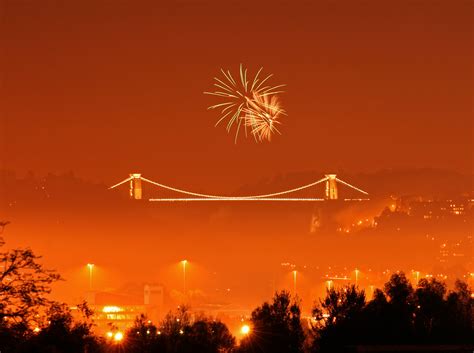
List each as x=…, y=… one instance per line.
x=90, y=266
x=184, y=276
x=294, y=282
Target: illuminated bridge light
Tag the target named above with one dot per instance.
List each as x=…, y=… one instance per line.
x=135, y=180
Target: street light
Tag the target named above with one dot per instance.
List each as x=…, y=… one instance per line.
x=90, y=267
x=184, y=262
x=118, y=336
x=245, y=330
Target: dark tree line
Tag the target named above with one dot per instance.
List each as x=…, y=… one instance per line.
x=177, y=333
x=29, y=321
x=397, y=315
x=341, y=322
x=275, y=327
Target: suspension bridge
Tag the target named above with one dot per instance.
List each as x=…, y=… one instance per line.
x=331, y=182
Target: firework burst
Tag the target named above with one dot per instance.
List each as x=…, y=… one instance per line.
x=262, y=117
x=243, y=99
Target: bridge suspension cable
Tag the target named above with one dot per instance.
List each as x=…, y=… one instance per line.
x=352, y=186
x=330, y=179
x=122, y=182
x=218, y=197
x=239, y=199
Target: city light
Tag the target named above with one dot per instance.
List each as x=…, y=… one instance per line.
x=118, y=336
x=417, y=273
x=111, y=309
x=245, y=329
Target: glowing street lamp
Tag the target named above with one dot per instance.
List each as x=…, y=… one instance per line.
x=184, y=262
x=90, y=267
x=245, y=330
x=118, y=336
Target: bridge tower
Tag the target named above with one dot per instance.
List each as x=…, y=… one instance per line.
x=331, y=187
x=136, y=186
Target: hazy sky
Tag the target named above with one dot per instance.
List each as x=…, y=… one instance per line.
x=109, y=87
x=105, y=88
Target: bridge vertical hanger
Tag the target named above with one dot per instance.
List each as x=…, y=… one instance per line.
x=136, y=186
x=331, y=187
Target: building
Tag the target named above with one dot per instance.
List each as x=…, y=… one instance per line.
x=116, y=312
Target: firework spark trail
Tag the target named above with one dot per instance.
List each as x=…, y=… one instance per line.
x=263, y=117
x=241, y=98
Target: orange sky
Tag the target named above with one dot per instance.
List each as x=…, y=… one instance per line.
x=104, y=88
